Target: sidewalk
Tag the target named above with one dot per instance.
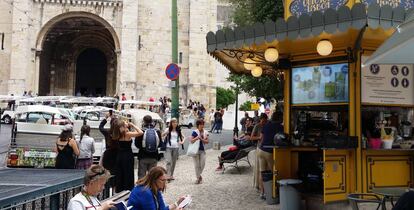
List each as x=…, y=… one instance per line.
x=218, y=191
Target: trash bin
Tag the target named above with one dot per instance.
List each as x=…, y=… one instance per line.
x=267, y=178
x=216, y=145
x=289, y=196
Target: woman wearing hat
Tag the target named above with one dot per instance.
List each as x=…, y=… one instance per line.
x=67, y=148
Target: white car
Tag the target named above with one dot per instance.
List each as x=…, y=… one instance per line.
x=136, y=116
x=187, y=118
x=35, y=132
x=8, y=104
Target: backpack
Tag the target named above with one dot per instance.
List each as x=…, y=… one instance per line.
x=150, y=140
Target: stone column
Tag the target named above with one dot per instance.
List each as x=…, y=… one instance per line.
x=127, y=77
x=21, y=68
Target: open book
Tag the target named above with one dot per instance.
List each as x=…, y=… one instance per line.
x=187, y=200
x=121, y=206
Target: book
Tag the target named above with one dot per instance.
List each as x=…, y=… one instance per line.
x=187, y=200
x=121, y=206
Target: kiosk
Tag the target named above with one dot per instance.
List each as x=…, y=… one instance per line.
x=333, y=107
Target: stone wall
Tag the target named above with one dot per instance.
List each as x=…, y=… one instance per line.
x=143, y=29
x=6, y=26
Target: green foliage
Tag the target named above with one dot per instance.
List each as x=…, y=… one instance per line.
x=247, y=12
x=224, y=97
x=266, y=86
x=246, y=106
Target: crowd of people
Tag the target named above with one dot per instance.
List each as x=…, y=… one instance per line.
x=117, y=161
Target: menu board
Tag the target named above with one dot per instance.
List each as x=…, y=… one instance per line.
x=387, y=84
x=320, y=84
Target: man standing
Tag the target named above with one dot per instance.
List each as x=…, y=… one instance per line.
x=243, y=121
x=148, y=147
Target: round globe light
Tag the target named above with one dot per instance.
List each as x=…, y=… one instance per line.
x=271, y=55
x=257, y=71
x=249, y=64
x=324, y=47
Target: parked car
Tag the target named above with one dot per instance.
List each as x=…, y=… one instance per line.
x=34, y=134
x=8, y=105
x=187, y=118
x=153, y=106
x=136, y=116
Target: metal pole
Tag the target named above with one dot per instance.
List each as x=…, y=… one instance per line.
x=236, y=128
x=175, y=91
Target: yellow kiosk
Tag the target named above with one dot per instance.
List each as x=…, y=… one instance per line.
x=350, y=126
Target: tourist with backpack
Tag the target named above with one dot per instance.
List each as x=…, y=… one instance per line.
x=123, y=133
x=148, y=145
x=173, y=139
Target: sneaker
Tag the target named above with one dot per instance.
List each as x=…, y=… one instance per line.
x=262, y=196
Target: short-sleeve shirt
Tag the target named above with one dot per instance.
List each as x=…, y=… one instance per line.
x=249, y=130
x=79, y=202
x=194, y=134
x=257, y=130
x=270, y=129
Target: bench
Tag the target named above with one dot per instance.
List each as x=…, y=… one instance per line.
x=242, y=155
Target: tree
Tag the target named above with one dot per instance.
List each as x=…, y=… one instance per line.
x=247, y=12
x=224, y=97
x=246, y=106
x=266, y=86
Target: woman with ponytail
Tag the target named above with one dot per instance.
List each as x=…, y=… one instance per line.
x=86, y=148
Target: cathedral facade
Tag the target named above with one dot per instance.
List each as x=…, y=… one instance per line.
x=105, y=47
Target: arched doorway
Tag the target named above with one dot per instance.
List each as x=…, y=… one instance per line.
x=78, y=55
x=91, y=68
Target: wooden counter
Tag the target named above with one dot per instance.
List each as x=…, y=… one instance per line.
x=339, y=169
x=387, y=168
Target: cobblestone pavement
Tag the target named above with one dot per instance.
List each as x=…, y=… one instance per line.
x=218, y=191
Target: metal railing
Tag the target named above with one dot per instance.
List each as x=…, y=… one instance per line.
x=55, y=201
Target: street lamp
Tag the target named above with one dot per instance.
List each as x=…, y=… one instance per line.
x=257, y=71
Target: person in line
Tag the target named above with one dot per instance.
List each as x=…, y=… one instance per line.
x=243, y=121
x=93, y=184
x=173, y=139
x=240, y=143
x=148, y=147
x=124, y=165
x=256, y=118
x=217, y=119
x=257, y=136
x=200, y=158
x=269, y=130
x=66, y=148
x=86, y=148
x=147, y=194
x=211, y=118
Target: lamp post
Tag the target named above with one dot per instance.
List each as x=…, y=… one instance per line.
x=236, y=128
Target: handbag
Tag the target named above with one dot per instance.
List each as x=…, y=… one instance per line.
x=193, y=148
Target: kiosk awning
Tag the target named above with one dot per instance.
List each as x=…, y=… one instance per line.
x=398, y=49
x=292, y=35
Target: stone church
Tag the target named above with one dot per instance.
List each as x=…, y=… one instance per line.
x=105, y=47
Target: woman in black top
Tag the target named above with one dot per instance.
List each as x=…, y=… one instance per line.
x=124, y=164
x=66, y=148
